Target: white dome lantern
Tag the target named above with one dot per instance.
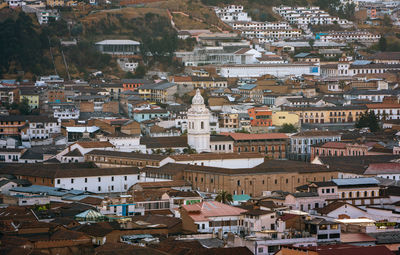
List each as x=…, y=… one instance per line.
x=198, y=99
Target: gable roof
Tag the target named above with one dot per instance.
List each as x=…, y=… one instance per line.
x=94, y=144
x=333, y=206
x=266, y=136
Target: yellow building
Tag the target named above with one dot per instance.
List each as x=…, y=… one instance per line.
x=54, y=3
x=284, y=117
x=328, y=115
x=32, y=97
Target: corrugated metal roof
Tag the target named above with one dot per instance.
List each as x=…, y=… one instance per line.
x=355, y=181
x=118, y=42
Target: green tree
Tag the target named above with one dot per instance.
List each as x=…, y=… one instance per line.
x=24, y=107
x=224, y=197
x=311, y=43
x=387, y=21
x=288, y=128
x=369, y=120
x=382, y=43
x=189, y=150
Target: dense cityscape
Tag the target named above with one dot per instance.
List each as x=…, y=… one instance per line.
x=265, y=127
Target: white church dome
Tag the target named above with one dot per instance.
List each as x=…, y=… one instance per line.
x=198, y=99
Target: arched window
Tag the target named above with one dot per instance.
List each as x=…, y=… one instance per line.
x=350, y=194
x=343, y=195
x=372, y=193
x=365, y=194
x=358, y=194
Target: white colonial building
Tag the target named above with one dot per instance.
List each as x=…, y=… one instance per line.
x=198, y=117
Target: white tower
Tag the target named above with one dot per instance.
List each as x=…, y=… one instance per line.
x=198, y=118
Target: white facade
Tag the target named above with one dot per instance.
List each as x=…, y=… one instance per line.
x=99, y=184
x=302, y=144
x=10, y=156
x=257, y=223
x=307, y=15
x=198, y=117
x=126, y=144
x=226, y=163
x=43, y=130
x=63, y=113
x=278, y=70
x=212, y=225
x=232, y=13
x=389, y=112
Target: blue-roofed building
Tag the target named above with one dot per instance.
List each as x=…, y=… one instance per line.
x=359, y=191
x=247, y=90
x=54, y=194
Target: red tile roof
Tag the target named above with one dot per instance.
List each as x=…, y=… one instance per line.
x=202, y=211
x=244, y=136
x=94, y=144
x=380, y=168
x=335, y=145
x=382, y=106
x=182, y=79
x=356, y=237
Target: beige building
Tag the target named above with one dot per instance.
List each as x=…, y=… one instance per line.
x=284, y=117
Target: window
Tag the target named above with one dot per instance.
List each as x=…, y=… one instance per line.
x=99, y=179
x=112, y=187
x=372, y=193
x=238, y=182
x=99, y=188
x=343, y=195
x=72, y=180
x=202, y=125
x=335, y=226
x=58, y=181
x=112, y=178
x=276, y=181
x=260, y=250
x=85, y=180
x=125, y=178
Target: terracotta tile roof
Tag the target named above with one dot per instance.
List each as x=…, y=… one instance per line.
x=182, y=79
x=73, y=153
x=287, y=216
x=380, y=168
x=129, y=155
x=95, y=144
x=164, y=142
x=46, y=172
x=163, y=184
x=383, y=106
x=332, y=207
x=355, y=238
x=385, y=56
x=333, y=145
x=211, y=156
x=268, y=167
x=91, y=200
x=202, y=211
x=267, y=136
x=257, y=212
x=369, y=250
x=242, y=51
